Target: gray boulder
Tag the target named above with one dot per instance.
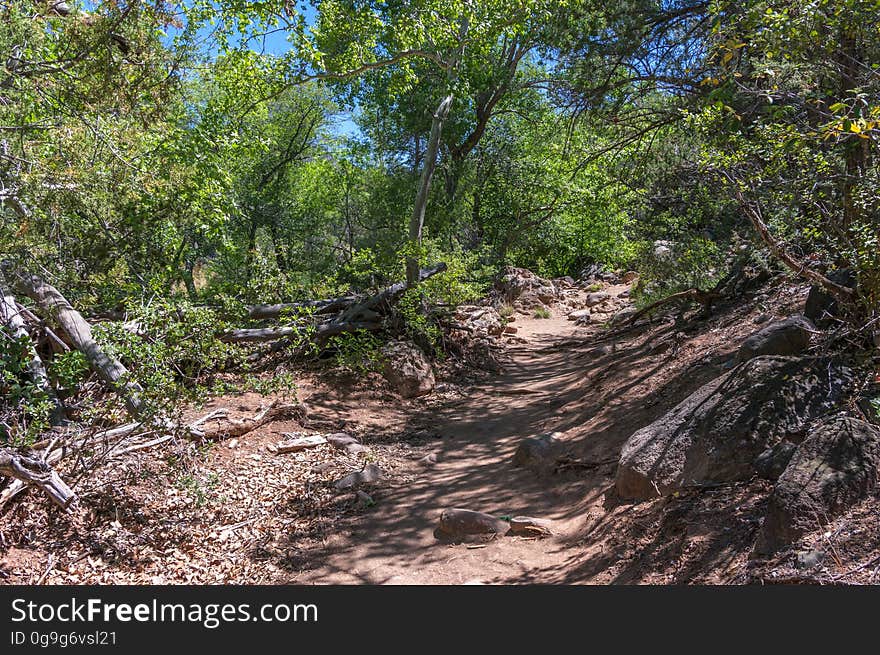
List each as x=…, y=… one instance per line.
x=835, y=467
x=790, y=336
x=539, y=454
x=717, y=434
x=408, y=369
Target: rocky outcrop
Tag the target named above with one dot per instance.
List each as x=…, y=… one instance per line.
x=787, y=337
x=717, y=434
x=835, y=467
x=523, y=288
x=481, y=320
x=408, y=369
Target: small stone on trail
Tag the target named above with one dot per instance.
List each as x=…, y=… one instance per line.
x=365, y=499
x=369, y=475
x=526, y=526
x=540, y=453
x=343, y=441
x=456, y=524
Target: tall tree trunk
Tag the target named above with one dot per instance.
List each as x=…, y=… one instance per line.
x=417, y=221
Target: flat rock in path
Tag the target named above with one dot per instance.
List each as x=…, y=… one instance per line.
x=457, y=524
x=346, y=442
x=835, y=467
x=579, y=315
x=526, y=526
x=790, y=336
x=370, y=474
x=717, y=434
x=539, y=454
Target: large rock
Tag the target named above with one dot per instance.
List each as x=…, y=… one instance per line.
x=835, y=467
x=539, y=454
x=717, y=434
x=408, y=369
x=787, y=337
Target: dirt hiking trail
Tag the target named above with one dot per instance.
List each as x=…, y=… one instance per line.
x=473, y=441
x=236, y=512
x=559, y=378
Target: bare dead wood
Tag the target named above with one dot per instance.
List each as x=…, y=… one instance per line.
x=58, y=344
x=31, y=471
x=78, y=330
x=705, y=298
x=295, y=444
x=12, y=322
x=388, y=296
x=239, y=427
x=327, y=306
x=258, y=335
x=842, y=294
x=357, y=314
x=322, y=331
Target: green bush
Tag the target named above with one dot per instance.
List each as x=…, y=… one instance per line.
x=358, y=352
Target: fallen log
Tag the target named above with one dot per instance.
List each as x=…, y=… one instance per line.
x=31, y=471
x=386, y=297
x=319, y=332
x=358, y=313
x=239, y=427
x=12, y=322
x=258, y=335
x=705, y=298
x=327, y=306
x=78, y=330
